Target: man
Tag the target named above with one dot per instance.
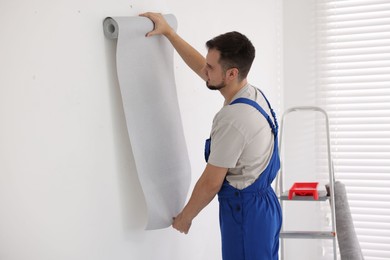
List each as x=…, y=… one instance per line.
x=242, y=152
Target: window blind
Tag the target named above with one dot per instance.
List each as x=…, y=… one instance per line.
x=353, y=86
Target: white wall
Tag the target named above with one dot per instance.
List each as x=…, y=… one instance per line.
x=68, y=184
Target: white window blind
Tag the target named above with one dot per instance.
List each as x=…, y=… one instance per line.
x=353, y=85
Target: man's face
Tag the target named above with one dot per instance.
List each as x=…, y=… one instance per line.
x=216, y=78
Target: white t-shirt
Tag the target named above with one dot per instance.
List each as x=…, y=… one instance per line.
x=242, y=139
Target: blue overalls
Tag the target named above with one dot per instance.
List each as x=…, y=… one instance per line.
x=251, y=218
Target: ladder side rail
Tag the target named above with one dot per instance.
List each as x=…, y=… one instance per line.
x=280, y=182
x=331, y=184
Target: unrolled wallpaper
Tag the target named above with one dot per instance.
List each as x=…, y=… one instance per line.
x=147, y=84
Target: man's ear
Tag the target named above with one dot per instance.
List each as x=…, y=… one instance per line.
x=232, y=73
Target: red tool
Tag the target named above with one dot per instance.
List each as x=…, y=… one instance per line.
x=304, y=189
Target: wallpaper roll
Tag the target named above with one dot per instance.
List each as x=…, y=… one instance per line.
x=346, y=235
x=147, y=84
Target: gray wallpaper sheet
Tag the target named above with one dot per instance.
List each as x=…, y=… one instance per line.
x=147, y=84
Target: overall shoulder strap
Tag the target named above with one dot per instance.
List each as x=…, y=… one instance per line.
x=274, y=126
x=270, y=108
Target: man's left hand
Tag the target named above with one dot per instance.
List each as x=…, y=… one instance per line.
x=181, y=223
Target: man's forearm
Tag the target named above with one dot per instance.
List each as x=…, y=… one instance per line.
x=205, y=190
x=202, y=195
x=191, y=56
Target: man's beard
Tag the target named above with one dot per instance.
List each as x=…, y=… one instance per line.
x=216, y=87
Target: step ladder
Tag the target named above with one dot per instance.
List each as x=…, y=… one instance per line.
x=322, y=195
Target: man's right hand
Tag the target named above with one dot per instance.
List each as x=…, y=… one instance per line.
x=160, y=24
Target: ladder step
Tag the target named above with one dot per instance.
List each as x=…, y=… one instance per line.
x=322, y=196
x=308, y=234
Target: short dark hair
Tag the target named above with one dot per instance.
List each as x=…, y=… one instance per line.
x=236, y=51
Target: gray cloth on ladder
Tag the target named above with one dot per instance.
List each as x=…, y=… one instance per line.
x=346, y=235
